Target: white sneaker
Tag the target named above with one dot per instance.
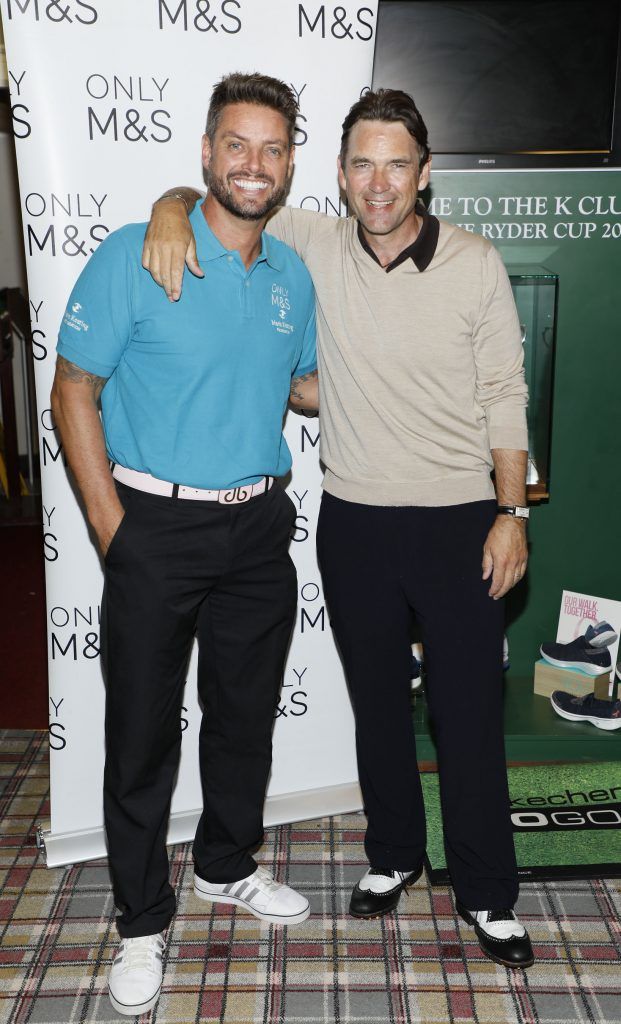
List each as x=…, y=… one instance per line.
x=260, y=894
x=136, y=975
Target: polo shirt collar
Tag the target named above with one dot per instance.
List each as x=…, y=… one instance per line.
x=269, y=252
x=208, y=247
x=422, y=249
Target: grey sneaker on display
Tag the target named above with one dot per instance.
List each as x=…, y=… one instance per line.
x=601, y=634
x=588, y=652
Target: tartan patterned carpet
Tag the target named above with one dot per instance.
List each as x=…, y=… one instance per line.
x=420, y=965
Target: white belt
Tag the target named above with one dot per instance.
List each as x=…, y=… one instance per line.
x=151, y=484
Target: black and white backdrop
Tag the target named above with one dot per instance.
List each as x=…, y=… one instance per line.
x=109, y=101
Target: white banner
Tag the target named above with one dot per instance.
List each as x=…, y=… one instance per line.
x=109, y=102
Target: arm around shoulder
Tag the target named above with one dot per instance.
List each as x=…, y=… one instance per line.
x=169, y=244
x=300, y=229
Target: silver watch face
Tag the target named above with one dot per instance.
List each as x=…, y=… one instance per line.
x=521, y=512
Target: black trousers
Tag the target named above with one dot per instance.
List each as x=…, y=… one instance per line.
x=176, y=569
x=379, y=565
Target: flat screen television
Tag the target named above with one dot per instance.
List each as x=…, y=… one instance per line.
x=508, y=83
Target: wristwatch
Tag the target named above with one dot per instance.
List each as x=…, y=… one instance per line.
x=517, y=511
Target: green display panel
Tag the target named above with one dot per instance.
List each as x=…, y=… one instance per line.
x=570, y=223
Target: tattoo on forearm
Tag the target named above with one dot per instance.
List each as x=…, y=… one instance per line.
x=297, y=382
x=68, y=371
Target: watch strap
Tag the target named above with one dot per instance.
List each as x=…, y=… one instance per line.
x=517, y=511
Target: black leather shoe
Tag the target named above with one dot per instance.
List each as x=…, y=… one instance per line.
x=379, y=890
x=501, y=936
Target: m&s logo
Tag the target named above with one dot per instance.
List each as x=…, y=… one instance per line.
x=325, y=19
x=54, y=10
x=201, y=15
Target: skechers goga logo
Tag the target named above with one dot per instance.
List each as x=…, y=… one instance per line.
x=54, y=10
x=574, y=819
x=202, y=15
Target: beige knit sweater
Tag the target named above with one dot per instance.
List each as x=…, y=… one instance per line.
x=420, y=374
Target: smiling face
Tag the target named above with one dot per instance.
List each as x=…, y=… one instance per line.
x=249, y=163
x=381, y=178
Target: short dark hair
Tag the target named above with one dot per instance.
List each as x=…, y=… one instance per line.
x=252, y=88
x=388, y=105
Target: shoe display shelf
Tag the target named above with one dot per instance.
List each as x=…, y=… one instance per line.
x=534, y=734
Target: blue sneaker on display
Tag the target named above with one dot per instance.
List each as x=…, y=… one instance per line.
x=587, y=652
x=605, y=714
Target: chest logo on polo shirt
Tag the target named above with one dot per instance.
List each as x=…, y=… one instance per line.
x=280, y=299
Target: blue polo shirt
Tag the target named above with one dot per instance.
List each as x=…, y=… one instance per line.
x=198, y=388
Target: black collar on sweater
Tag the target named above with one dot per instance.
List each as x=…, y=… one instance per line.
x=422, y=249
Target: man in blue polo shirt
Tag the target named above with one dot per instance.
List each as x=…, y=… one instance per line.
x=193, y=530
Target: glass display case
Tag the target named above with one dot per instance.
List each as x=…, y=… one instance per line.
x=535, y=290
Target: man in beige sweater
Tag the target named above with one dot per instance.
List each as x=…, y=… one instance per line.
x=422, y=394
